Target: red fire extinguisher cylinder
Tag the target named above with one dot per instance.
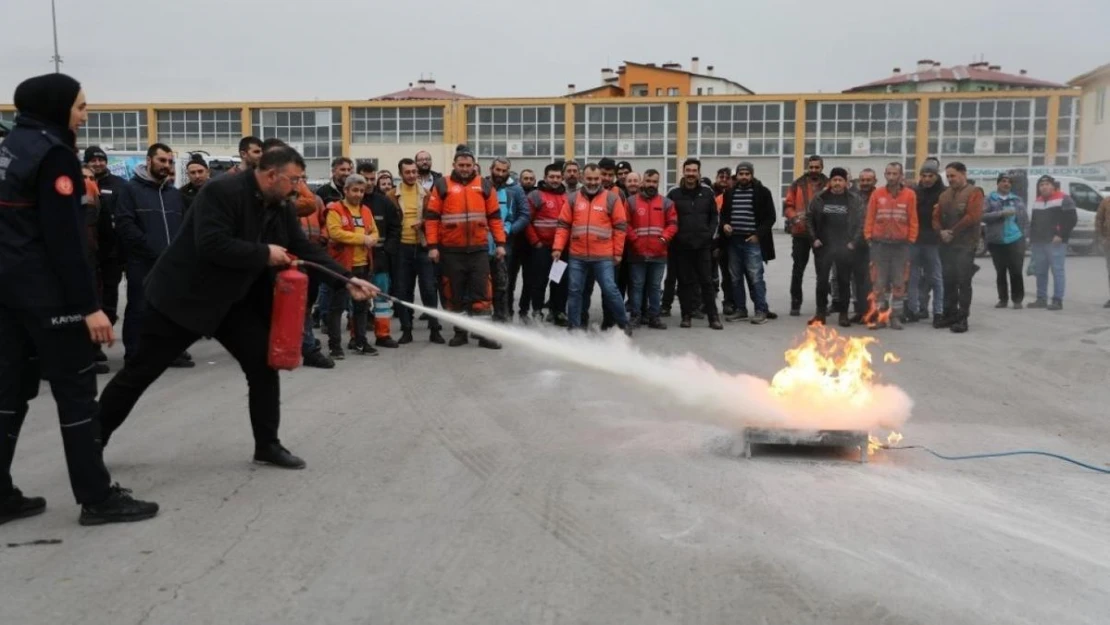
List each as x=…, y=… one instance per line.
x=287, y=321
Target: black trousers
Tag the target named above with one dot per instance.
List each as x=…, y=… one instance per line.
x=31, y=350
x=520, y=265
x=1008, y=260
x=958, y=264
x=111, y=274
x=824, y=259
x=695, y=272
x=340, y=302
x=244, y=333
x=861, y=277
x=670, y=281
x=800, y=254
x=724, y=281
x=540, y=268
x=502, y=296
x=468, y=279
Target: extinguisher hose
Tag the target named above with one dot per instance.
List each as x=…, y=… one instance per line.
x=338, y=276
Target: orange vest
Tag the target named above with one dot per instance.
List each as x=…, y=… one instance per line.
x=891, y=218
x=460, y=215
x=596, y=228
x=345, y=254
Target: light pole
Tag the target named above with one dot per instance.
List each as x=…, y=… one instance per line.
x=54, y=20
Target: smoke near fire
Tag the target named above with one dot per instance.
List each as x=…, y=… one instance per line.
x=827, y=383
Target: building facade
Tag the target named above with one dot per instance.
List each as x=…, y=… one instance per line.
x=930, y=77
x=773, y=131
x=1094, y=126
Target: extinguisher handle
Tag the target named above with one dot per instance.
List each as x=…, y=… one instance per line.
x=318, y=267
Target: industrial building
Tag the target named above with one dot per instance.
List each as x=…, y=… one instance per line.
x=1038, y=127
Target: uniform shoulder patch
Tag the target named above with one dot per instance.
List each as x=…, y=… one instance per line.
x=64, y=185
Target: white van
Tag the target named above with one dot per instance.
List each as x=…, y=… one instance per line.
x=1083, y=192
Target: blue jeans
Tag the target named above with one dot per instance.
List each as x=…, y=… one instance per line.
x=413, y=267
x=649, y=273
x=1048, y=256
x=745, y=262
x=925, y=258
x=603, y=272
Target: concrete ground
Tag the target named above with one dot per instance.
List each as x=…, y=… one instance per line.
x=468, y=486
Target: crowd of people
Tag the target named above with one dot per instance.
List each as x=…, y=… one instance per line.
x=465, y=242
x=199, y=262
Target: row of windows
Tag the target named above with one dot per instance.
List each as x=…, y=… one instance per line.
x=125, y=131
x=985, y=127
x=317, y=132
x=205, y=127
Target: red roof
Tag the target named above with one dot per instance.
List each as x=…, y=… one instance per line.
x=424, y=91
x=960, y=73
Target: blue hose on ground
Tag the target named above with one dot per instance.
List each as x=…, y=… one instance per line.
x=1001, y=454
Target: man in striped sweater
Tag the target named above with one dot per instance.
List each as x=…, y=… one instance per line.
x=747, y=217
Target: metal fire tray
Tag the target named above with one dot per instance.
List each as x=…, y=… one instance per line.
x=805, y=438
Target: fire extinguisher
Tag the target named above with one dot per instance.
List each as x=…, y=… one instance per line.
x=287, y=321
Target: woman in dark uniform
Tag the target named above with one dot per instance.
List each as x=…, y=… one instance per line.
x=50, y=321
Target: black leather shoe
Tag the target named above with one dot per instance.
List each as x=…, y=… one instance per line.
x=181, y=362
x=386, y=342
x=118, y=507
x=460, y=339
x=16, y=506
x=318, y=360
x=488, y=344
x=406, y=337
x=277, y=456
x=437, y=337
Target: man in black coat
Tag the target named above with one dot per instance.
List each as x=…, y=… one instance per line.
x=747, y=219
x=693, y=245
x=216, y=280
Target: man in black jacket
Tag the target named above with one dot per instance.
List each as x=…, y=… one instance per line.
x=149, y=212
x=747, y=217
x=197, y=170
x=109, y=255
x=693, y=246
x=216, y=280
x=834, y=224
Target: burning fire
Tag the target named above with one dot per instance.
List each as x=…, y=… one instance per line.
x=831, y=376
x=875, y=318
x=874, y=444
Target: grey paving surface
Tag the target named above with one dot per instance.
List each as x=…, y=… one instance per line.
x=464, y=486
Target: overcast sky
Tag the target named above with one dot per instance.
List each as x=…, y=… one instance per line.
x=259, y=50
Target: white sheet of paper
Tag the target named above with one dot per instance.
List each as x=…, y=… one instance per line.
x=558, y=268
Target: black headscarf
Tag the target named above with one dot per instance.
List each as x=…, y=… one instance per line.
x=48, y=99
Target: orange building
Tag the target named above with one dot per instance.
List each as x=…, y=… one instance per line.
x=669, y=79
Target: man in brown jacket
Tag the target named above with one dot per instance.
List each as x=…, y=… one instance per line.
x=957, y=217
x=1102, y=231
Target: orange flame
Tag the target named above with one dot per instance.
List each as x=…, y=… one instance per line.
x=830, y=369
x=874, y=317
x=874, y=444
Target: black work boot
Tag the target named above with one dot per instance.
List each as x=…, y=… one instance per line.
x=1040, y=303
x=715, y=323
x=276, y=455
x=436, y=337
x=1056, y=305
x=488, y=343
x=959, y=327
x=16, y=506
x=686, y=321
x=844, y=320
x=655, y=323
x=318, y=360
x=118, y=507
x=406, y=337
x=386, y=342
x=461, y=338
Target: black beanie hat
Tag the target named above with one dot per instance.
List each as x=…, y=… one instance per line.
x=94, y=151
x=48, y=98
x=838, y=172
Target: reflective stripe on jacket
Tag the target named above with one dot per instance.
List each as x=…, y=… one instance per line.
x=595, y=227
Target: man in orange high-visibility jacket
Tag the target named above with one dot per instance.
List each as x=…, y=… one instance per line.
x=592, y=229
x=462, y=211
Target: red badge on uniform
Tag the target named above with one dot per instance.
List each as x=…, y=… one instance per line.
x=64, y=185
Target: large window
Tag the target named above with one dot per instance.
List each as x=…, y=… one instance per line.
x=628, y=131
x=517, y=131
x=413, y=124
x=739, y=131
x=1067, y=132
x=203, y=127
x=988, y=127
x=862, y=129
x=117, y=130
x=318, y=132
